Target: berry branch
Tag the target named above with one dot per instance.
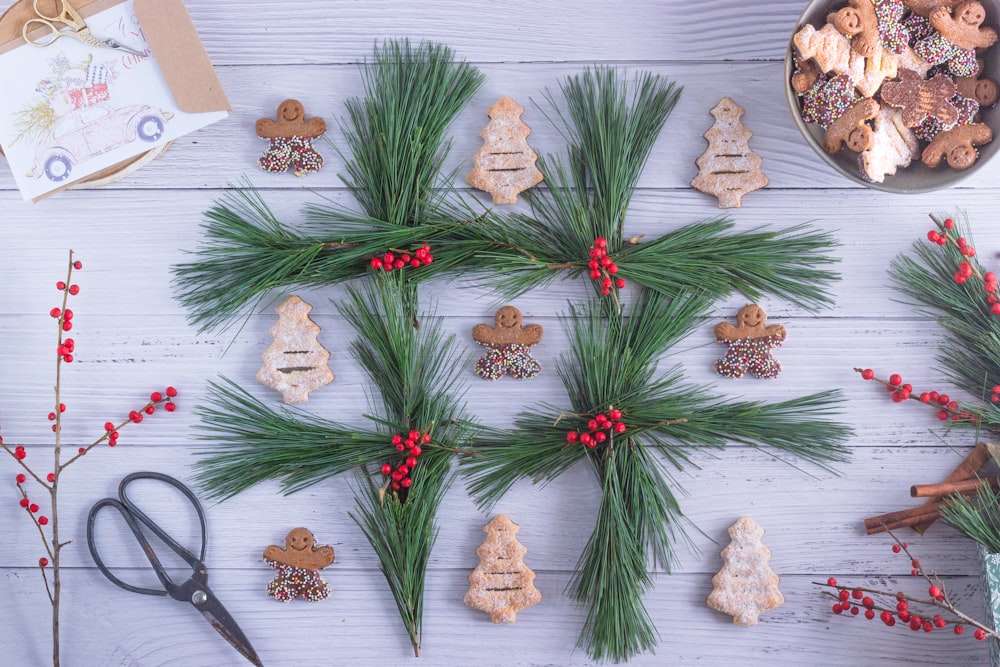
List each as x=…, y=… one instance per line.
x=65, y=348
x=946, y=408
x=852, y=599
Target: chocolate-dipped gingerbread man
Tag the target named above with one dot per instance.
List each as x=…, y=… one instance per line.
x=508, y=344
x=291, y=137
x=296, y=567
x=750, y=344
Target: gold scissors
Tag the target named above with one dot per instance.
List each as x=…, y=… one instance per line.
x=67, y=23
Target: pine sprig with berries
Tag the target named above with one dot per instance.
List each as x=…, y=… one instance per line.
x=396, y=136
x=611, y=124
x=47, y=523
x=627, y=420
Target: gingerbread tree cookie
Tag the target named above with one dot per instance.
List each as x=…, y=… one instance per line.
x=295, y=363
x=746, y=586
x=297, y=566
x=505, y=164
x=508, y=343
x=290, y=140
x=501, y=585
x=728, y=169
x=750, y=344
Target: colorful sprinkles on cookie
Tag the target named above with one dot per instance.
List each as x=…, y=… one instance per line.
x=296, y=568
x=894, y=33
x=508, y=342
x=828, y=100
x=750, y=344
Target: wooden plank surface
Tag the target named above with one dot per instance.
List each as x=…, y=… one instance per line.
x=132, y=337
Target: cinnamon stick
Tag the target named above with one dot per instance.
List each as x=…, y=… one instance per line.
x=967, y=469
x=926, y=513
x=948, y=488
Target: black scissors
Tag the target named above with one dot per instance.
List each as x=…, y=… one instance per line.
x=195, y=590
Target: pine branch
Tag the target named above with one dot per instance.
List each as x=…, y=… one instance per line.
x=976, y=517
x=402, y=535
x=610, y=374
x=396, y=135
x=611, y=125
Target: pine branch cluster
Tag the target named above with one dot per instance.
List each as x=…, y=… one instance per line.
x=397, y=147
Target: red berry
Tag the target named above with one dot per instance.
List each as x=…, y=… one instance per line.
x=837, y=609
x=855, y=611
x=43, y=520
x=572, y=437
x=927, y=626
x=23, y=502
x=615, y=414
x=585, y=438
x=51, y=477
x=415, y=263
x=593, y=265
x=980, y=634
x=844, y=594
x=595, y=274
x=935, y=591
x=925, y=398
x=77, y=265
x=600, y=242
x=81, y=451
x=55, y=312
x=52, y=416
x=933, y=236
x=895, y=379
x=400, y=447
x=896, y=548
x=395, y=486
x=386, y=469
x=832, y=581
x=427, y=438
x=939, y=622
x=171, y=392
x=156, y=397
x=404, y=470
x=959, y=629
x=74, y=289
x=411, y=461
x=620, y=427
x=150, y=409
x=620, y=283
x=592, y=425
x=68, y=358
x=20, y=454
x=415, y=451
x=33, y=507
x=60, y=285
x=857, y=594
x=170, y=407
x=67, y=325
x=868, y=602
x=21, y=479
x=613, y=269
x=869, y=614
x=43, y=562
x=949, y=223
x=600, y=436
x=942, y=415
x=406, y=482
x=867, y=374
x=396, y=475
x=135, y=417
x=995, y=309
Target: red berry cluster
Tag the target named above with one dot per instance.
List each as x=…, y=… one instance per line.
x=135, y=416
x=946, y=408
x=399, y=475
x=967, y=270
x=31, y=508
x=599, y=429
x=387, y=262
x=853, y=600
x=602, y=267
x=995, y=393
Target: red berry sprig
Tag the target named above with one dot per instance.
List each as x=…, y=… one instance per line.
x=602, y=267
x=601, y=428
x=945, y=406
x=966, y=269
x=410, y=449
x=899, y=606
x=394, y=259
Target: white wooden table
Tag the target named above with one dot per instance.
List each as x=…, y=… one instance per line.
x=132, y=338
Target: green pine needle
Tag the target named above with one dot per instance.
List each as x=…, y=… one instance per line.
x=612, y=363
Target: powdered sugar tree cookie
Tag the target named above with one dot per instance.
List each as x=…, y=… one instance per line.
x=505, y=164
x=746, y=586
x=295, y=363
x=728, y=169
x=501, y=585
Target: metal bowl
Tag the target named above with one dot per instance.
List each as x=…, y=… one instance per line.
x=918, y=177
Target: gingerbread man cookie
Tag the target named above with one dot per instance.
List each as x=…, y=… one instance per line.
x=955, y=38
x=508, y=342
x=851, y=128
x=296, y=567
x=984, y=91
x=750, y=344
x=957, y=146
x=921, y=99
x=290, y=140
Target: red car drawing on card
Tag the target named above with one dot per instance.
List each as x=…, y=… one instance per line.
x=91, y=131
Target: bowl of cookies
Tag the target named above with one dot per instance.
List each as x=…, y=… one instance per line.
x=898, y=95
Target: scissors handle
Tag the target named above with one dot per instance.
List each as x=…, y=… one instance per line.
x=136, y=519
x=67, y=15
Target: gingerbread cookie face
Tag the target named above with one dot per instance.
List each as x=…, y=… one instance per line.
x=963, y=28
x=858, y=21
x=749, y=344
x=508, y=342
x=296, y=567
x=290, y=139
x=984, y=91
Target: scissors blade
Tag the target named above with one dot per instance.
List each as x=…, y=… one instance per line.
x=219, y=618
x=115, y=44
